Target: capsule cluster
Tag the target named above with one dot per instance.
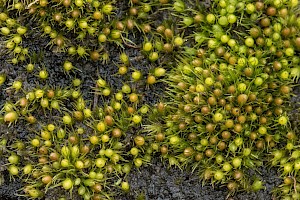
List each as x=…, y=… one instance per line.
x=228, y=70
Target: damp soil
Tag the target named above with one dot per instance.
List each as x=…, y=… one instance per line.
x=154, y=182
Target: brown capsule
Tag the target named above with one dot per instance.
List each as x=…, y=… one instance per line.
x=116, y=133
x=32, y=10
x=146, y=28
x=283, y=12
x=182, y=126
x=260, y=144
x=97, y=15
x=222, y=102
x=168, y=33
x=252, y=97
x=130, y=24
x=209, y=152
x=54, y=156
x=258, y=110
x=168, y=48
x=43, y=160
x=47, y=179
x=226, y=135
x=197, y=99
x=189, y=151
x=31, y=119
x=57, y=17
x=254, y=32
x=163, y=1
x=248, y=108
x=271, y=11
x=213, y=140
x=241, y=119
x=110, y=168
x=210, y=127
x=159, y=137
x=284, y=89
x=59, y=41
x=133, y=11
x=259, y=5
x=286, y=44
x=96, y=197
x=278, y=111
x=260, y=41
x=220, y=51
x=164, y=150
x=43, y=150
x=85, y=149
x=297, y=42
x=248, y=71
x=206, y=73
x=42, y=13
x=197, y=62
x=222, y=145
x=291, y=135
x=160, y=29
x=235, y=111
x=238, y=128
x=66, y=3
x=78, y=115
x=109, y=120
x=130, y=110
x=242, y=99
x=220, y=77
x=106, y=31
x=232, y=186
x=232, y=60
x=192, y=136
x=73, y=139
x=75, y=13
x=198, y=119
x=231, y=89
x=50, y=93
x=198, y=18
x=265, y=22
x=95, y=55
x=269, y=138
x=205, y=110
x=97, y=187
x=285, y=32
x=187, y=108
x=277, y=66
x=120, y=25
x=253, y=136
x=200, y=53
x=263, y=120
x=212, y=101
x=192, y=88
x=23, y=102
x=182, y=85
x=237, y=174
x=199, y=156
x=217, y=92
x=268, y=32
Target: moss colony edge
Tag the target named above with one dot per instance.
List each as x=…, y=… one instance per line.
x=220, y=75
